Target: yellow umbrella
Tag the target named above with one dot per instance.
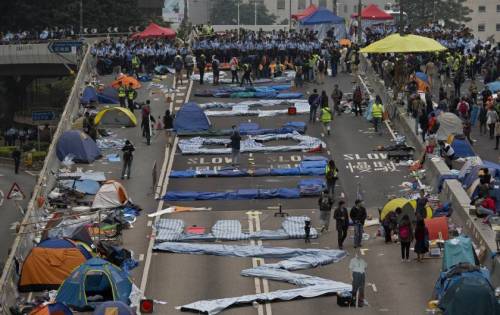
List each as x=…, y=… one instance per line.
x=396, y=43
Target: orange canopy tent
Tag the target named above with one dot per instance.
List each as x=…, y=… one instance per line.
x=155, y=30
x=308, y=11
x=373, y=12
x=126, y=80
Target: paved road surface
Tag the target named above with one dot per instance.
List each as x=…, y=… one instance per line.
x=10, y=213
x=181, y=279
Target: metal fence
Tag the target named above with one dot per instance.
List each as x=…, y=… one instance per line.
x=28, y=233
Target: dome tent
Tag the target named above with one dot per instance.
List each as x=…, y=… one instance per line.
x=322, y=20
x=115, y=116
x=96, y=277
x=191, y=118
x=79, y=145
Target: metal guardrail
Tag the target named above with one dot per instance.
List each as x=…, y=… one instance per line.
x=27, y=235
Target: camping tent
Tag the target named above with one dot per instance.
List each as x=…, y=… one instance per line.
x=51, y=309
x=126, y=81
x=462, y=148
x=457, y=250
x=469, y=295
x=407, y=207
x=374, y=13
x=96, y=277
x=115, y=116
x=111, y=195
x=449, y=124
x=437, y=227
x=494, y=86
x=155, y=30
x=108, y=96
x=113, y=308
x=191, y=118
x=49, y=263
x=89, y=95
x=408, y=43
x=323, y=20
x=308, y=11
x=79, y=145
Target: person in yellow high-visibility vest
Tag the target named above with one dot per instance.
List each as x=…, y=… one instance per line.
x=331, y=176
x=377, y=113
x=122, y=94
x=326, y=118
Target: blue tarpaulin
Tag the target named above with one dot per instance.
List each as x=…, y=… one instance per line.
x=462, y=148
x=89, y=95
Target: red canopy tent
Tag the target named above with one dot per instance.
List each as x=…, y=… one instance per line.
x=373, y=12
x=308, y=11
x=155, y=30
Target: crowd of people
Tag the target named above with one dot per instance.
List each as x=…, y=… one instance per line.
x=18, y=136
x=22, y=36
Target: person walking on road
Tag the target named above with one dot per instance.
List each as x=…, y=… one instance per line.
x=313, y=100
x=358, y=266
x=325, y=210
x=405, y=233
x=341, y=217
x=357, y=99
x=497, y=134
x=201, y=63
x=128, y=156
x=178, y=66
x=358, y=217
x=234, y=65
x=337, y=98
x=377, y=113
x=331, y=175
x=235, y=146
x=421, y=240
x=16, y=156
x=326, y=118
x=189, y=64
x=168, y=124
x=491, y=120
x=147, y=121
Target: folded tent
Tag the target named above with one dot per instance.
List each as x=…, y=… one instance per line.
x=49, y=263
x=112, y=194
x=79, y=145
x=115, y=116
x=96, y=277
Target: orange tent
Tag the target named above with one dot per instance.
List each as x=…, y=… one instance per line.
x=126, y=81
x=308, y=11
x=437, y=227
x=112, y=194
x=50, y=263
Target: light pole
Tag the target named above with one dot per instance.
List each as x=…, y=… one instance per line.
x=360, y=29
x=401, y=23
x=289, y=15
x=81, y=17
x=238, y=4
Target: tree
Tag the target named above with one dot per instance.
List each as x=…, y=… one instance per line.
x=225, y=12
x=423, y=12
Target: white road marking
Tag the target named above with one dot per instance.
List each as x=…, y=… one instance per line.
x=363, y=251
x=149, y=223
x=181, y=94
x=30, y=173
x=179, y=101
x=182, y=87
x=177, y=108
x=141, y=257
x=255, y=262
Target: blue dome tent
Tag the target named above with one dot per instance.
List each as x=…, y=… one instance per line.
x=191, y=118
x=94, y=278
x=79, y=145
x=322, y=20
x=89, y=95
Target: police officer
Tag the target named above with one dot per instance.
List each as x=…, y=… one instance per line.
x=326, y=118
x=201, y=64
x=122, y=94
x=131, y=95
x=377, y=113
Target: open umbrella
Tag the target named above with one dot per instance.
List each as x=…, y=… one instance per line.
x=396, y=43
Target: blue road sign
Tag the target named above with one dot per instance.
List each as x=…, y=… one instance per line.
x=43, y=116
x=63, y=46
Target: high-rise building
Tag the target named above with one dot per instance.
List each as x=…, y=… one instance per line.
x=485, y=19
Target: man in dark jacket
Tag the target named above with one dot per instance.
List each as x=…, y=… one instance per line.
x=128, y=156
x=313, y=101
x=235, y=146
x=342, y=222
x=325, y=210
x=337, y=97
x=16, y=155
x=201, y=63
x=358, y=217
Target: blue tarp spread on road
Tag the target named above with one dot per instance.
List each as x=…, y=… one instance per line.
x=462, y=148
x=89, y=95
x=191, y=118
x=288, y=96
x=78, y=145
x=494, y=86
x=305, y=188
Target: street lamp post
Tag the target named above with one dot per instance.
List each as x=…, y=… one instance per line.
x=401, y=23
x=289, y=15
x=238, y=4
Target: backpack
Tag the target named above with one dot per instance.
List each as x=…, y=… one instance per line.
x=462, y=108
x=404, y=232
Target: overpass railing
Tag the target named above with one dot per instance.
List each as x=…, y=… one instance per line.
x=29, y=231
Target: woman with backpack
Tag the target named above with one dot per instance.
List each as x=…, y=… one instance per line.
x=421, y=240
x=405, y=233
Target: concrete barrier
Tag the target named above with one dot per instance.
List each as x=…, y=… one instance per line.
x=28, y=234
x=482, y=235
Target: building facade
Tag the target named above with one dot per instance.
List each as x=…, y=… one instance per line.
x=485, y=19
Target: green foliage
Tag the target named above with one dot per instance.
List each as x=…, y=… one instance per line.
x=38, y=14
x=225, y=12
x=423, y=12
